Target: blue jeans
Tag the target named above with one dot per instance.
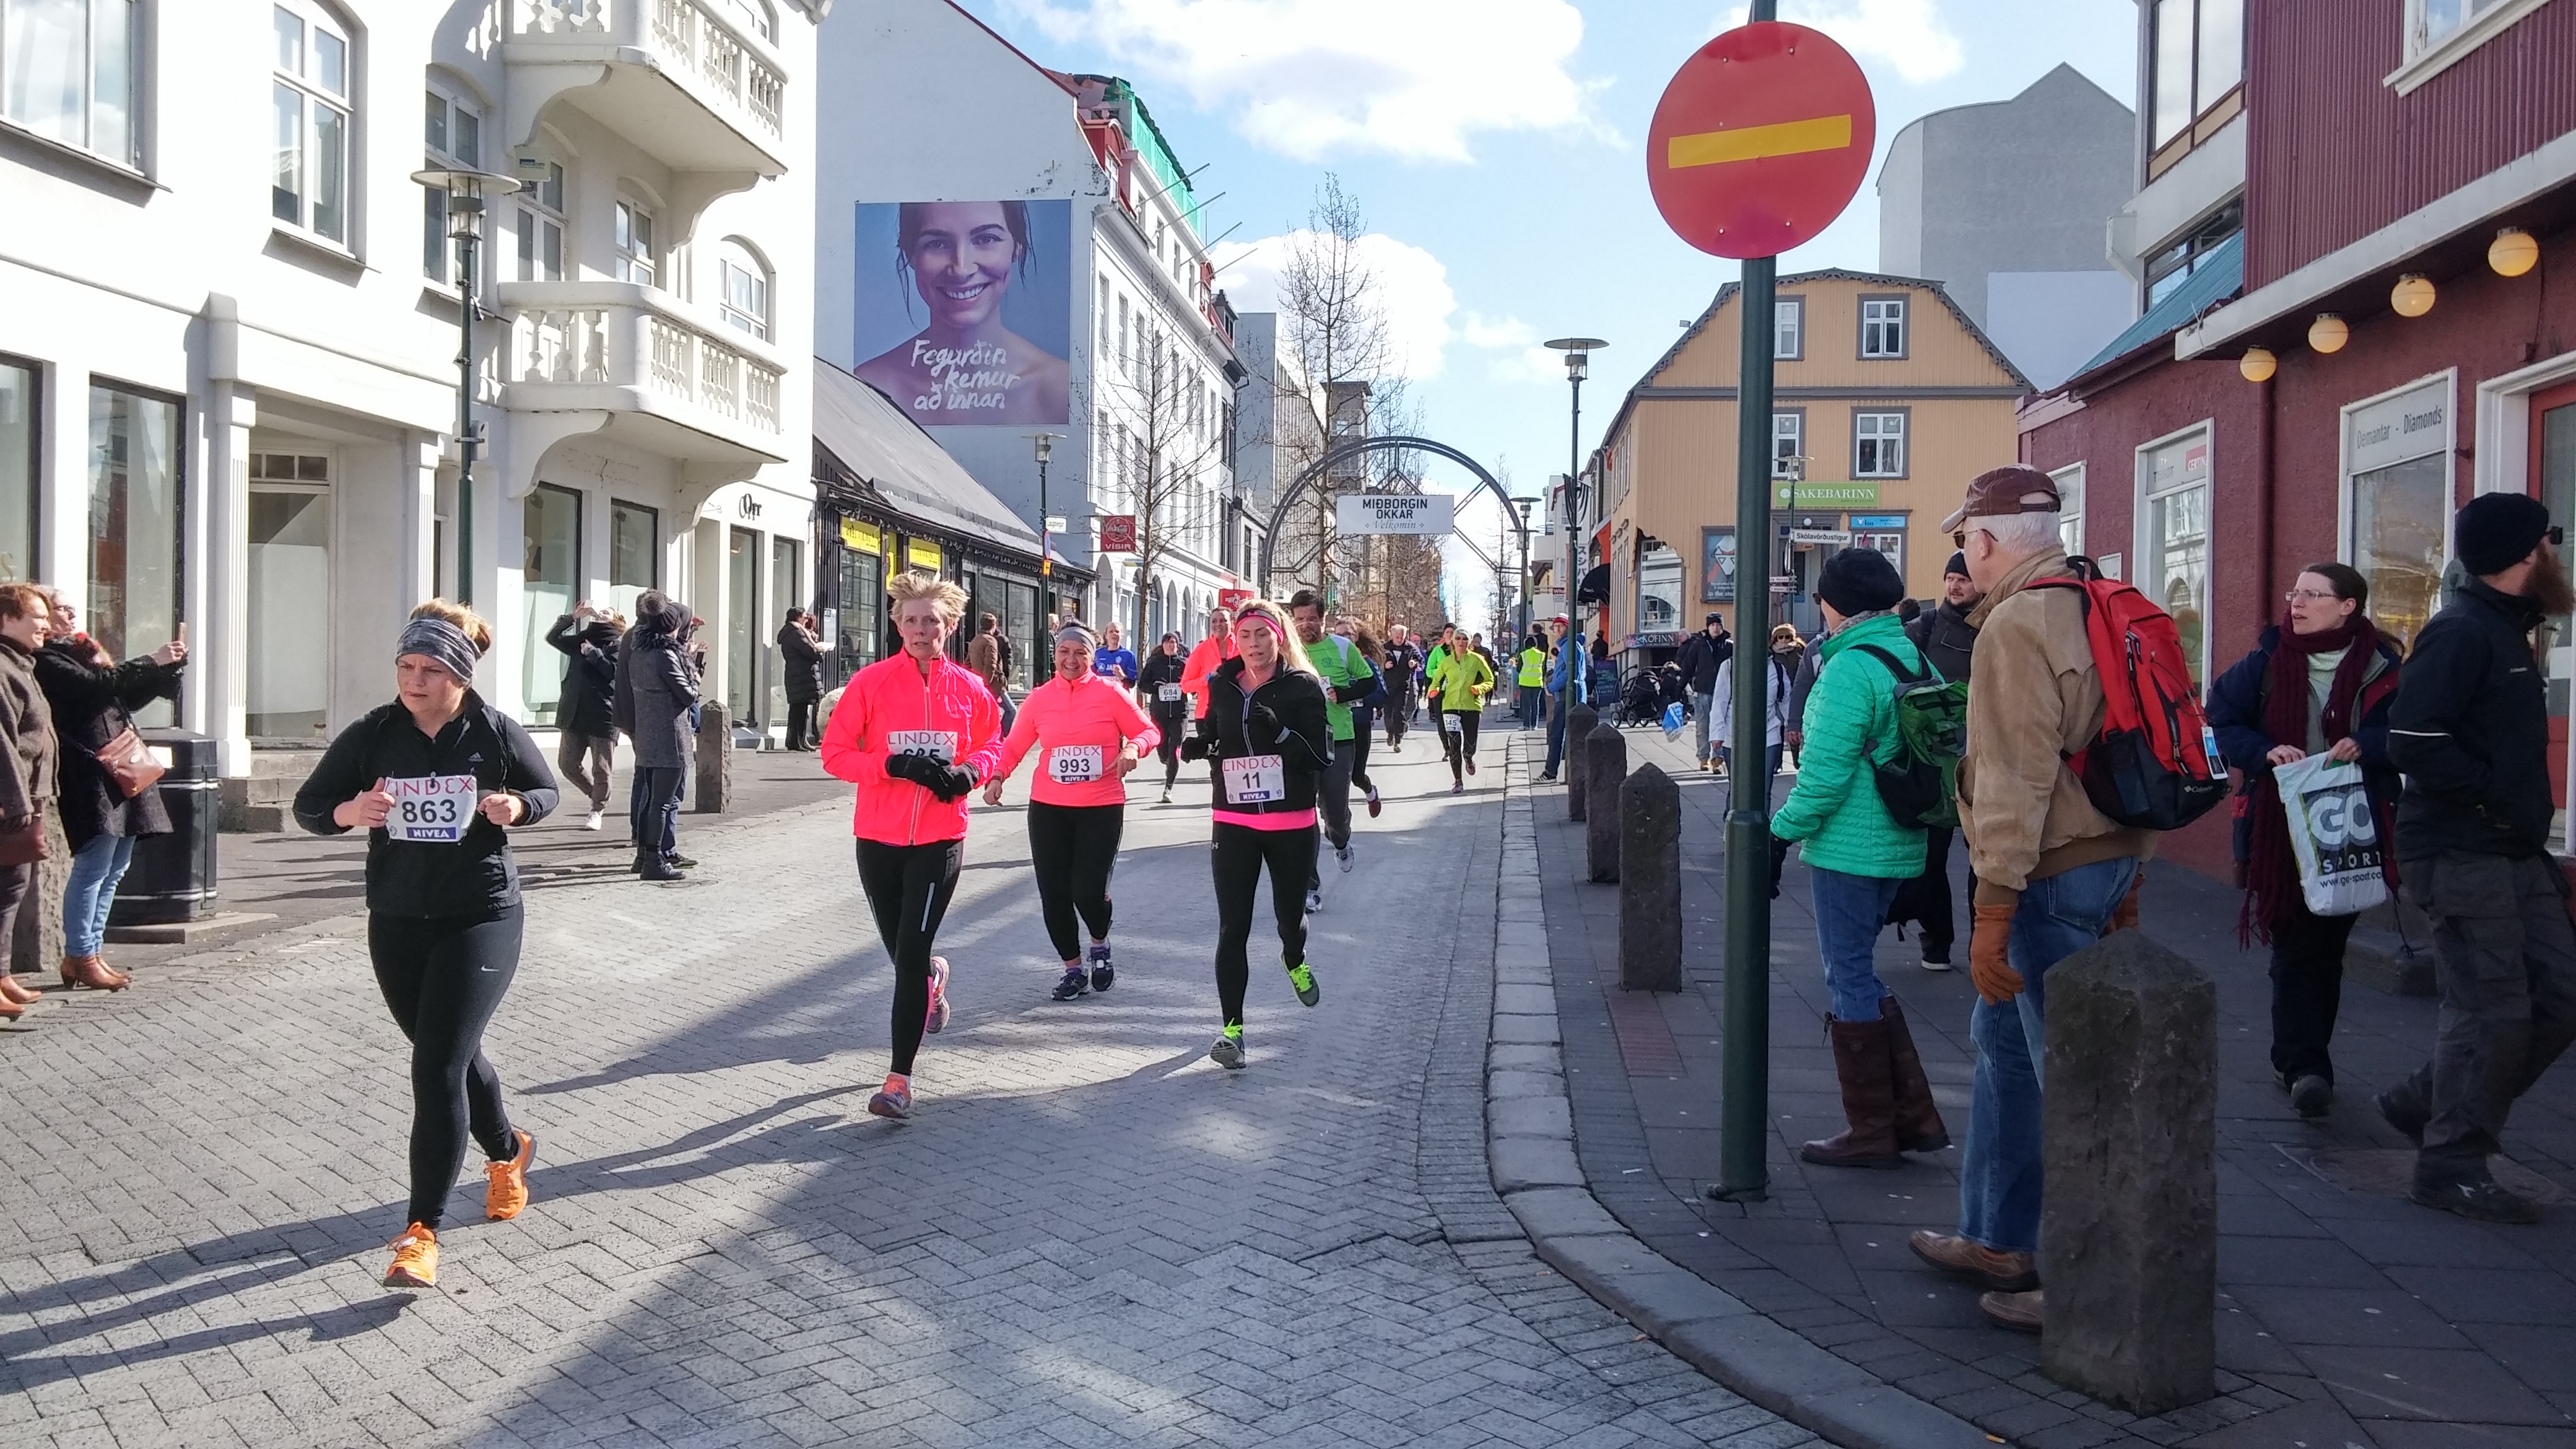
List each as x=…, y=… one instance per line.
x=96, y=869
x=1701, y=704
x=1556, y=731
x=1770, y=776
x=1850, y=910
x=1999, y=1170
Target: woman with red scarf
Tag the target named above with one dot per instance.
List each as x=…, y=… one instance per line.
x=2319, y=683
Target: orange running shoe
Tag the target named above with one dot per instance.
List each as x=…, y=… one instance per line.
x=508, y=1191
x=415, y=1258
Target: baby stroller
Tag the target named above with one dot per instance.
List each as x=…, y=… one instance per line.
x=1641, y=699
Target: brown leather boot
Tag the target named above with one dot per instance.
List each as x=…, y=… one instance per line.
x=1918, y=1119
x=1861, y=1063
x=94, y=973
x=15, y=994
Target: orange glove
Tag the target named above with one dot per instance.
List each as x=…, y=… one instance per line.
x=2124, y=917
x=1996, y=981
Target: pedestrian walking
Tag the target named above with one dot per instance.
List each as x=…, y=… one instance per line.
x=1159, y=681
x=1459, y=684
x=1702, y=655
x=437, y=779
x=1088, y=732
x=665, y=687
x=2318, y=683
x=1268, y=736
x=1949, y=641
x=1567, y=680
x=91, y=698
x=1778, y=669
x=2053, y=873
x=2470, y=730
x=800, y=658
x=1403, y=671
x=914, y=733
x=585, y=713
x=27, y=784
x=1857, y=854
x=1347, y=676
x=989, y=655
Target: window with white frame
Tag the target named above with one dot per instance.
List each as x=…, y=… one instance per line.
x=1878, y=445
x=71, y=70
x=1789, y=328
x=451, y=137
x=1788, y=443
x=2172, y=563
x=2397, y=494
x=745, y=303
x=540, y=214
x=309, y=107
x=2431, y=23
x=634, y=243
x=2070, y=506
x=1882, y=327
x=1102, y=355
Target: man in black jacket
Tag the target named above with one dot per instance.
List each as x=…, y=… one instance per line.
x=589, y=641
x=1945, y=636
x=2470, y=729
x=1700, y=655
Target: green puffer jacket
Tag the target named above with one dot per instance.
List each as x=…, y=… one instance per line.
x=1851, y=721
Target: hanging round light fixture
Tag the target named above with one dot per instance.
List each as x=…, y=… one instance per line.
x=2327, y=333
x=2412, y=296
x=2513, y=252
x=2257, y=365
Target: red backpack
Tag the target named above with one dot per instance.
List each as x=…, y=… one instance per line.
x=2155, y=765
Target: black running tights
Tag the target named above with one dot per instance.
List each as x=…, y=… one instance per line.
x=1459, y=739
x=1363, y=727
x=1173, y=728
x=1237, y=853
x=908, y=888
x=442, y=979
x=1074, y=847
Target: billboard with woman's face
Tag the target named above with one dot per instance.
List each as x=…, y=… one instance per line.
x=965, y=309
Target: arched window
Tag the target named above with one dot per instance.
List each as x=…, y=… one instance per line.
x=744, y=299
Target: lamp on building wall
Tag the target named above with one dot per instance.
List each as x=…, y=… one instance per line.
x=2412, y=296
x=2513, y=252
x=2328, y=333
x=466, y=189
x=2257, y=365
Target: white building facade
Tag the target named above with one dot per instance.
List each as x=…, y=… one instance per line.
x=228, y=363
x=1144, y=424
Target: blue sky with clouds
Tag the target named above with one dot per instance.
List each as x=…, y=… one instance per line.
x=1496, y=147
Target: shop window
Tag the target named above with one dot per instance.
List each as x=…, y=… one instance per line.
x=70, y=71
x=1882, y=327
x=785, y=568
x=634, y=554
x=135, y=507
x=309, y=102
x=1659, y=591
x=860, y=619
x=549, y=583
x=1878, y=445
x=19, y=439
x=2070, y=512
x=288, y=693
x=2397, y=482
x=2173, y=537
x=742, y=613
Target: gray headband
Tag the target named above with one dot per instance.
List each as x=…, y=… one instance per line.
x=442, y=641
x=1077, y=631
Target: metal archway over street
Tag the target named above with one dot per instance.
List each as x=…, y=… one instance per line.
x=1345, y=452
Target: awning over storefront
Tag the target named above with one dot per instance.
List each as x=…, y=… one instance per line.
x=906, y=470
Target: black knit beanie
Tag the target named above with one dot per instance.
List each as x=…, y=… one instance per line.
x=1957, y=565
x=1860, y=581
x=2498, y=530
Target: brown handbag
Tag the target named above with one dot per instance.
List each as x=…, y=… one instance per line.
x=24, y=845
x=130, y=764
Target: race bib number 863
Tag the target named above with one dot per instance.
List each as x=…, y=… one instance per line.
x=431, y=809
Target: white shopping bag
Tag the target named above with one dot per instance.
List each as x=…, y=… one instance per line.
x=1673, y=720
x=2334, y=835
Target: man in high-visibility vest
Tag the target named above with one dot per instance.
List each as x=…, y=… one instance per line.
x=1533, y=680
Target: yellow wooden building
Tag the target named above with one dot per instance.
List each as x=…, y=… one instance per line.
x=1887, y=400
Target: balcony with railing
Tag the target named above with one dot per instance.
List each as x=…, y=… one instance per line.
x=693, y=82
x=699, y=392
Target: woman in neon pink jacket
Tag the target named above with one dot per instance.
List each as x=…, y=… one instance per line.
x=915, y=733
x=1089, y=732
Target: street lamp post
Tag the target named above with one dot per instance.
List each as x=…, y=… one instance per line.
x=1529, y=600
x=1576, y=350
x=466, y=190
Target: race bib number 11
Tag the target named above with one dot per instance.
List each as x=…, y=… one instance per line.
x=432, y=809
x=1255, y=780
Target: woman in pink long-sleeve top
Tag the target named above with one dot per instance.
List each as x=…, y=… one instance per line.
x=1088, y=732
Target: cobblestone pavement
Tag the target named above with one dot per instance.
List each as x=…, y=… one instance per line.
x=1089, y=1235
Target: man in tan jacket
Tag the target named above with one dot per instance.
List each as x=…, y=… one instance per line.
x=2052, y=873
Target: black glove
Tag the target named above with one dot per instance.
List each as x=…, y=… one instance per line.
x=921, y=770
x=1195, y=748
x=950, y=782
x=1266, y=717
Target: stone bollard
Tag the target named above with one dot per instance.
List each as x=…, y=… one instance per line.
x=1650, y=881
x=1578, y=728
x=2129, y=1234
x=711, y=793
x=1604, y=765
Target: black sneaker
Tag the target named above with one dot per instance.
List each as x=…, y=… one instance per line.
x=2478, y=1197
x=682, y=861
x=1076, y=981
x=2403, y=1112
x=2311, y=1094
x=1103, y=973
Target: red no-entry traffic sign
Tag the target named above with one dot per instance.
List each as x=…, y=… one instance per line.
x=1761, y=140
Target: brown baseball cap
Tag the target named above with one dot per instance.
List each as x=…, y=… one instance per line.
x=2016, y=488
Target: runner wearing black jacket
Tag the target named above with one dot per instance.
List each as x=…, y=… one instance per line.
x=436, y=779
x=1159, y=685
x=2470, y=731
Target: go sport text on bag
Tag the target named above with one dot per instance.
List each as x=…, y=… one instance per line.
x=2333, y=834
x=1919, y=784
x=2155, y=764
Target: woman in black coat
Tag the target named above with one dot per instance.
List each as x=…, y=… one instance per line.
x=93, y=698
x=802, y=655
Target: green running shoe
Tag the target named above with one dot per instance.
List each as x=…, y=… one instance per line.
x=1302, y=976
x=1228, y=1050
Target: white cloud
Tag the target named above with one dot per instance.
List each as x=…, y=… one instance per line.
x=1314, y=78
x=1412, y=285
x=1514, y=343
x=1907, y=34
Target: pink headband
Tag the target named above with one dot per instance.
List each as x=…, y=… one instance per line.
x=1265, y=621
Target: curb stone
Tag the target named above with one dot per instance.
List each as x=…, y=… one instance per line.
x=1529, y=1140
